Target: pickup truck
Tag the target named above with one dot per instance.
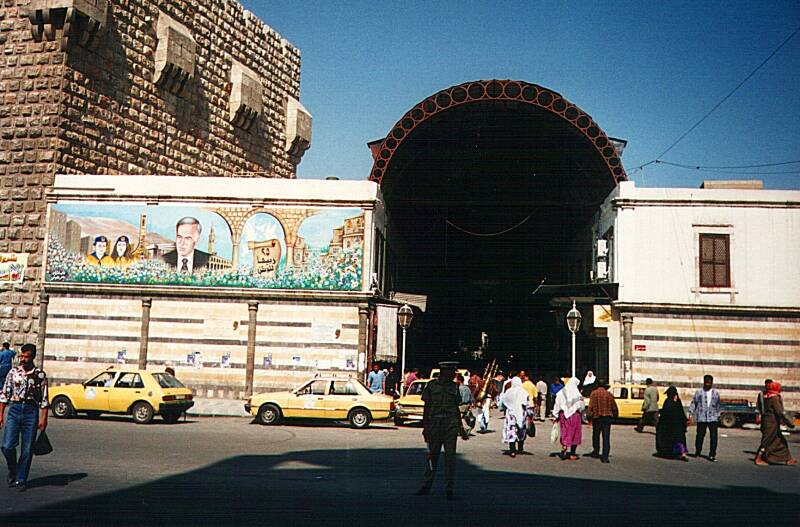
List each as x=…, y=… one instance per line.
x=736, y=412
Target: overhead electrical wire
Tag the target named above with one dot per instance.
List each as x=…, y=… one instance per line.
x=739, y=170
x=762, y=165
x=486, y=235
x=720, y=103
x=734, y=90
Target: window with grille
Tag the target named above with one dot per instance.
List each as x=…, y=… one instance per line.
x=715, y=260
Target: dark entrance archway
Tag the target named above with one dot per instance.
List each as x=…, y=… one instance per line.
x=490, y=188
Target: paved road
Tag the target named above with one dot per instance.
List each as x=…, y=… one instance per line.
x=229, y=471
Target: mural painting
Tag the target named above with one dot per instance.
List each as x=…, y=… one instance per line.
x=280, y=248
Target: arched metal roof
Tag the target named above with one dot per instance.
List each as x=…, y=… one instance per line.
x=496, y=90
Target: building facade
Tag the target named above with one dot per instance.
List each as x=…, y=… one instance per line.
x=708, y=284
x=200, y=88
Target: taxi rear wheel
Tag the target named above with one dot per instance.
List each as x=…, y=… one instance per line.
x=359, y=418
x=142, y=413
x=269, y=414
x=62, y=407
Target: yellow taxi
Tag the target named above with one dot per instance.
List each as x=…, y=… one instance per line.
x=323, y=397
x=409, y=407
x=629, y=399
x=140, y=393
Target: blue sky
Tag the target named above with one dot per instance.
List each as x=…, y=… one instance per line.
x=645, y=71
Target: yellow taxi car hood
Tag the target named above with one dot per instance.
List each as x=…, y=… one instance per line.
x=275, y=397
x=411, y=400
x=65, y=389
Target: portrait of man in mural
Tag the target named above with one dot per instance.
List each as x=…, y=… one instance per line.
x=186, y=258
x=99, y=256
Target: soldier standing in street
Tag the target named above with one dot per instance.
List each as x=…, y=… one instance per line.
x=441, y=423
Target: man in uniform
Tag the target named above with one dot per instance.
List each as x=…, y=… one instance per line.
x=441, y=424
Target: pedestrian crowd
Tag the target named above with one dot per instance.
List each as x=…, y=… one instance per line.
x=453, y=404
x=524, y=402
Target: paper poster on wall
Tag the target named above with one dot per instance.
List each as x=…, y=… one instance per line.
x=170, y=245
x=225, y=361
x=198, y=359
x=296, y=360
x=326, y=332
x=12, y=267
x=350, y=364
x=323, y=365
x=268, y=360
x=121, y=356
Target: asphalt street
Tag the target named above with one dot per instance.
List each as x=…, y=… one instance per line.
x=231, y=471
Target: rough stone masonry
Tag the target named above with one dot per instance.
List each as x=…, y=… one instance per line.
x=170, y=87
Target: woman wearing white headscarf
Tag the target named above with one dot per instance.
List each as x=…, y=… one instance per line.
x=589, y=383
x=567, y=410
x=516, y=401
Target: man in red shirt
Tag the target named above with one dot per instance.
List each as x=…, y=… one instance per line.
x=602, y=409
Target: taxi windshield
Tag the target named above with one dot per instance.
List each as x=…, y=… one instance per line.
x=416, y=388
x=165, y=380
x=356, y=381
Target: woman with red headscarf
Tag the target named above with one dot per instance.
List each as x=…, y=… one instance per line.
x=774, y=449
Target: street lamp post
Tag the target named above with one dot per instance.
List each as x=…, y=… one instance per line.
x=404, y=316
x=574, y=324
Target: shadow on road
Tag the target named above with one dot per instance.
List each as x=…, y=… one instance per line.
x=56, y=480
x=157, y=420
x=302, y=422
x=347, y=486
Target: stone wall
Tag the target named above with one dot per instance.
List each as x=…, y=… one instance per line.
x=94, y=108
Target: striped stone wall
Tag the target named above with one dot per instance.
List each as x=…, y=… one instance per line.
x=739, y=351
x=301, y=339
x=86, y=333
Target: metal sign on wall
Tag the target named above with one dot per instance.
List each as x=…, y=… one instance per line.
x=12, y=267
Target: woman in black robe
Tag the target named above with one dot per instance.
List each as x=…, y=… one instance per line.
x=671, y=428
x=774, y=449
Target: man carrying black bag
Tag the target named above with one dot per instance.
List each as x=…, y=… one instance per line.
x=25, y=394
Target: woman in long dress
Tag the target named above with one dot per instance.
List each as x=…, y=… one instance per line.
x=671, y=428
x=516, y=402
x=774, y=449
x=567, y=410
